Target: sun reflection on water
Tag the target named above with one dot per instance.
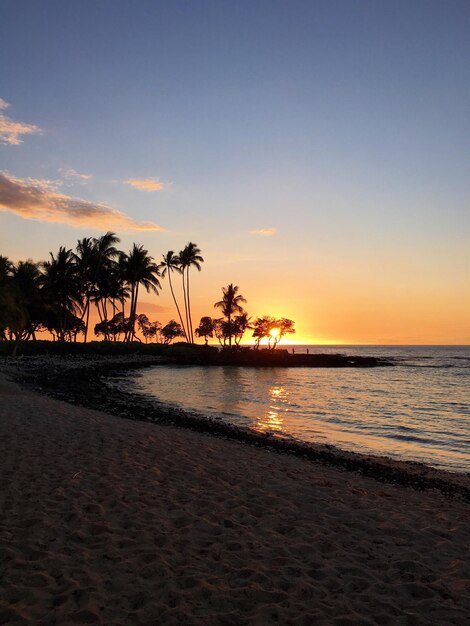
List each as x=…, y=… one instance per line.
x=413, y=411
x=273, y=419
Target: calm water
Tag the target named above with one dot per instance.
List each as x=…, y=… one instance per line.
x=418, y=410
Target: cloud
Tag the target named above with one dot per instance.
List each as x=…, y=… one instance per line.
x=11, y=131
x=264, y=232
x=39, y=200
x=151, y=307
x=145, y=184
x=71, y=174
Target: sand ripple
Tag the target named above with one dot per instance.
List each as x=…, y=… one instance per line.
x=108, y=521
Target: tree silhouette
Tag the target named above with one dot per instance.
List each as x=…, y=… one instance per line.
x=26, y=280
x=229, y=305
x=272, y=329
x=170, y=331
x=57, y=296
x=147, y=328
x=61, y=285
x=241, y=323
x=13, y=314
x=154, y=331
x=6, y=269
x=96, y=260
x=85, y=258
x=171, y=263
x=205, y=328
x=285, y=327
x=262, y=327
x=189, y=257
x=114, y=327
x=139, y=269
x=104, y=270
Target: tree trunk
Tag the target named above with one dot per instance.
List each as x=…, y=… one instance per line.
x=131, y=308
x=134, y=311
x=87, y=318
x=185, y=307
x=176, y=303
x=189, y=309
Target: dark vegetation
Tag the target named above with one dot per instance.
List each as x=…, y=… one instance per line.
x=57, y=296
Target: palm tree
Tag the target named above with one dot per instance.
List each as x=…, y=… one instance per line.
x=117, y=289
x=230, y=304
x=105, y=247
x=189, y=256
x=27, y=279
x=6, y=268
x=13, y=316
x=171, y=263
x=96, y=260
x=61, y=285
x=85, y=257
x=241, y=323
x=104, y=264
x=139, y=269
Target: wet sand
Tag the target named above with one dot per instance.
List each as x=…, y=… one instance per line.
x=110, y=521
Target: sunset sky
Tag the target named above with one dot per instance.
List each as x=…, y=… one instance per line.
x=316, y=151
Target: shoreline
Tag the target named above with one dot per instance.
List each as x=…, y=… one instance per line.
x=80, y=381
x=191, y=354
x=113, y=521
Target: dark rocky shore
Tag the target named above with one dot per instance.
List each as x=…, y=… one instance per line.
x=271, y=358
x=89, y=382
x=187, y=354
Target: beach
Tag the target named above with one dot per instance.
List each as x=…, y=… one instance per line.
x=111, y=521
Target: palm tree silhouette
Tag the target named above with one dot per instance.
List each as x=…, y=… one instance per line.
x=27, y=280
x=171, y=263
x=85, y=258
x=104, y=264
x=230, y=304
x=117, y=288
x=96, y=261
x=139, y=269
x=61, y=283
x=189, y=257
x=6, y=268
x=7, y=307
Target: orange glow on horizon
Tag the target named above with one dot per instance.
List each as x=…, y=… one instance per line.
x=344, y=303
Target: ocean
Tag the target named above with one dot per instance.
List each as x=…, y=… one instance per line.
x=418, y=410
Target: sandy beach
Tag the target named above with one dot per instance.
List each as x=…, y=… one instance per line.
x=109, y=521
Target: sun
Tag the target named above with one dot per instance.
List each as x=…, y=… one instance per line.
x=274, y=332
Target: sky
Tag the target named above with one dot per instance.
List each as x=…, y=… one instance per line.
x=316, y=151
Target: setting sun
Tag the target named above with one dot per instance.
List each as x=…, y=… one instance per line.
x=274, y=332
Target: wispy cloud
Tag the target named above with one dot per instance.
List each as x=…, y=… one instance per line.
x=39, y=200
x=146, y=184
x=71, y=174
x=12, y=131
x=264, y=232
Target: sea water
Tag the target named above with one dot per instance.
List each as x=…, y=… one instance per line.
x=418, y=410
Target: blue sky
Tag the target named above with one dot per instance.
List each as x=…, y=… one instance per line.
x=342, y=125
